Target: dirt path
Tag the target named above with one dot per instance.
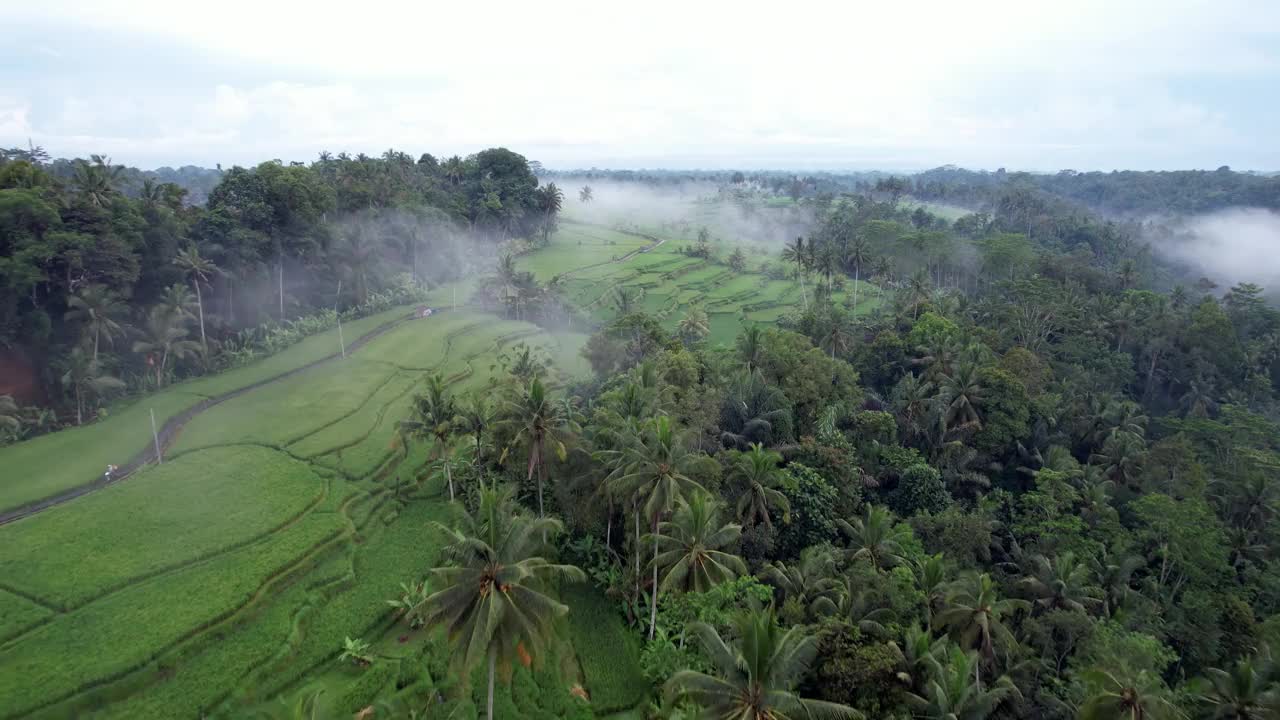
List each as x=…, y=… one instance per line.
x=169, y=431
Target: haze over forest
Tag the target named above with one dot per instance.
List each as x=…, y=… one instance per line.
x=568, y=361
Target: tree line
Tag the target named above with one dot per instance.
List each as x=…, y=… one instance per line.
x=113, y=281
x=1027, y=485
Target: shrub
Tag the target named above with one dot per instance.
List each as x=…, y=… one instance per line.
x=920, y=490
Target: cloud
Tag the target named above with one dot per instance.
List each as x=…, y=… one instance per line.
x=1000, y=83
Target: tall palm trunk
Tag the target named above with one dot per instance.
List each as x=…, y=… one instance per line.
x=857, y=270
x=79, y=407
x=448, y=473
x=97, y=335
x=653, y=598
x=493, y=662
x=204, y=344
x=637, y=548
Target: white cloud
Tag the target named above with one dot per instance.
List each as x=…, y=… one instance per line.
x=1003, y=82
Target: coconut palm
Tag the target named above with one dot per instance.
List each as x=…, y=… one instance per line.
x=750, y=346
x=857, y=256
x=163, y=337
x=960, y=393
x=358, y=257
x=798, y=253
x=1061, y=584
x=490, y=596
x=756, y=677
x=875, y=537
x=1245, y=691
x=96, y=308
x=758, y=471
x=474, y=416
x=533, y=420
x=585, y=195
x=754, y=411
x=975, y=615
x=177, y=299
x=1127, y=697
x=808, y=583
x=434, y=414
x=695, y=326
x=953, y=691
x=550, y=200
x=931, y=575
x=1121, y=458
x=692, y=546
x=10, y=414
x=624, y=299
x=85, y=379
x=856, y=605
x=654, y=472
x=199, y=269
x=98, y=180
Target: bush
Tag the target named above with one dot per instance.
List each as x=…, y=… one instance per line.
x=920, y=490
x=372, y=680
x=813, y=510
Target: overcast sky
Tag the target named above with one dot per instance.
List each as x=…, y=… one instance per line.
x=894, y=85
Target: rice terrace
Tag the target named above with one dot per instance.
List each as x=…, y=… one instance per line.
x=289, y=507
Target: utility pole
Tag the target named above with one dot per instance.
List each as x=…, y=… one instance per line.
x=155, y=435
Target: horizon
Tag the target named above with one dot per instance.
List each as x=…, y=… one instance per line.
x=1149, y=85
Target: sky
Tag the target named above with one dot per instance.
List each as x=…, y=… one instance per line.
x=835, y=85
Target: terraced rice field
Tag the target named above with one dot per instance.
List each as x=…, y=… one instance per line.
x=231, y=573
x=665, y=282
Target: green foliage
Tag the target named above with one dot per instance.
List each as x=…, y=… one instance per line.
x=370, y=682
x=920, y=490
x=606, y=651
x=813, y=510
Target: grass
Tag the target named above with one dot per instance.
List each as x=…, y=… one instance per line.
x=606, y=651
x=290, y=409
x=51, y=464
x=130, y=628
x=167, y=516
x=17, y=614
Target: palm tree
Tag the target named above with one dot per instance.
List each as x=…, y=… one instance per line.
x=931, y=580
x=163, y=337
x=953, y=692
x=975, y=615
x=875, y=538
x=809, y=583
x=199, y=269
x=585, y=195
x=624, y=299
x=1121, y=458
x=474, y=417
x=856, y=605
x=797, y=253
x=695, y=326
x=84, y=378
x=692, y=546
x=434, y=413
x=750, y=346
x=533, y=420
x=1245, y=691
x=754, y=411
x=655, y=472
x=859, y=254
x=358, y=256
x=551, y=200
x=490, y=597
x=918, y=291
x=97, y=181
x=1061, y=584
x=179, y=301
x=10, y=414
x=759, y=472
x=97, y=308
x=1122, y=697
x=755, y=679
x=838, y=336
x=960, y=394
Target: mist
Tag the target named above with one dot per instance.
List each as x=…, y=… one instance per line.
x=1228, y=246
x=682, y=209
